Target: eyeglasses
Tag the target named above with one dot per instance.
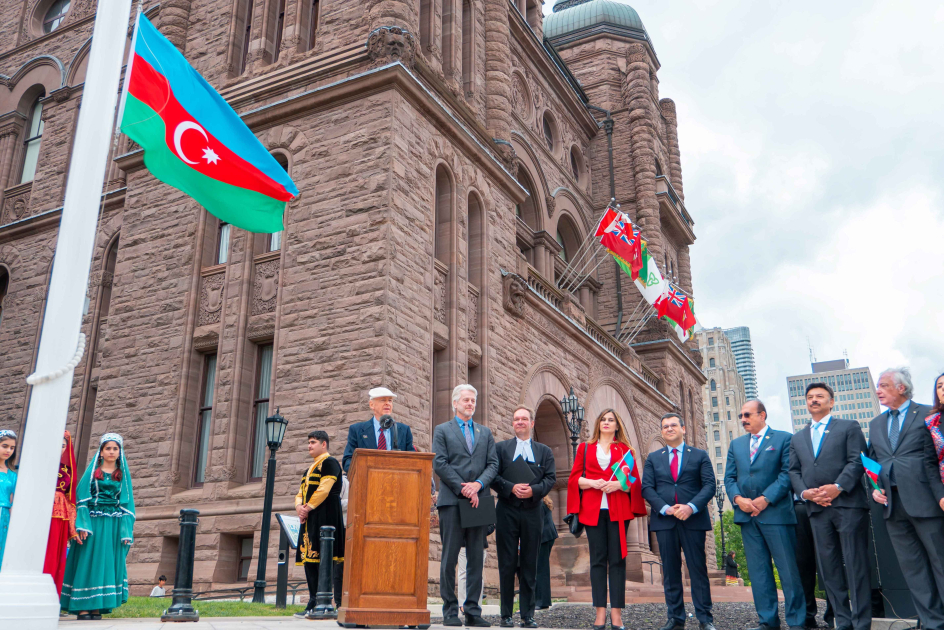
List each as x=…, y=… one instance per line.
x=746, y=415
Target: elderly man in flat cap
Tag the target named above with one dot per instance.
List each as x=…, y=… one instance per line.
x=370, y=433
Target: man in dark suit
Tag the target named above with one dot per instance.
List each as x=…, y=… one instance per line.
x=369, y=434
x=520, y=518
x=678, y=483
x=466, y=462
x=902, y=444
x=757, y=478
x=826, y=472
x=806, y=563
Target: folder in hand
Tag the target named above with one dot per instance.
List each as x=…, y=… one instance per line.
x=518, y=472
x=484, y=514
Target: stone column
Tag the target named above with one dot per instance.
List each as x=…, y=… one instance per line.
x=175, y=19
x=540, y=257
x=498, y=74
x=685, y=270
x=11, y=126
x=671, y=131
x=638, y=99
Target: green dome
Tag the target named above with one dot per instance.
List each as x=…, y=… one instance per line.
x=576, y=19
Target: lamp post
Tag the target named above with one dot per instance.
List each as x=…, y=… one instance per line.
x=275, y=431
x=573, y=414
x=719, y=499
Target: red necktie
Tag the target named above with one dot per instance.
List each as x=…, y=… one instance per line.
x=382, y=441
x=673, y=464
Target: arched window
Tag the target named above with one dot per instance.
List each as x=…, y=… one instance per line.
x=243, y=34
x=448, y=36
x=222, y=242
x=55, y=15
x=445, y=369
x=527, y=210
x=574, y=164
x=274, y=241
x=34, y=139
x=477, y=297
x=426, y=23
x=562, y=254
x=550, y=135
x=4, y=283
x=443, y=236
x=714, y=387
x=313, y=16
x=279, y=27
x=468, y=45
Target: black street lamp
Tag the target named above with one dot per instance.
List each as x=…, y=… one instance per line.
x=275, y=431
x=573, y=414
x=719, y=499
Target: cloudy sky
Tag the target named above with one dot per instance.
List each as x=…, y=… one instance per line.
x=813, y=158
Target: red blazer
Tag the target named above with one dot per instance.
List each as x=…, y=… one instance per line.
x=623, y=506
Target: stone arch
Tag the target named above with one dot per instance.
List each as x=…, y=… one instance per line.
x=41, y=73
x=528, y=158
x=544, y=379
x=568, y=235
x=607, y=394
x=565, y=200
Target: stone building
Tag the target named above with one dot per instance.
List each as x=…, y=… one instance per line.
x=723, y=397
x=451, y=156
x=855, y=397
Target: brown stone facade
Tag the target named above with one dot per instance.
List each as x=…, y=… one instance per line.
x=446, y=163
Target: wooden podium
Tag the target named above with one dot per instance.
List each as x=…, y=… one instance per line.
x=387, y=546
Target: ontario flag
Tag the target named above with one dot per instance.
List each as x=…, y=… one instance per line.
x=677, y=309
x=872, y=469
x=624, y=241
x=608, y=217
x=194, y=141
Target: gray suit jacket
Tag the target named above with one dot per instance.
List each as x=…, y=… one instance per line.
x=455, y=465
x=914, y=461
x=839, y=461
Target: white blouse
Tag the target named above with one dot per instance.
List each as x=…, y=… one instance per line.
x=603, y=458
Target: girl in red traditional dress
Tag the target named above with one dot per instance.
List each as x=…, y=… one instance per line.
x=62, y=528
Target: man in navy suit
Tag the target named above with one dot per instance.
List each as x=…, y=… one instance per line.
x=678, y=483
x=757, y=478
x=369, y=434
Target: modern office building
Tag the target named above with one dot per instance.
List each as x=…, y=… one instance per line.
x=853, y=387
x=724, y=394
x=740, y=338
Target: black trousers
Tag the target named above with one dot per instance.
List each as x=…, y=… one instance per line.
x=518, y=541
x=842, y=550
x=606, y=560
x=919, y=546
x=455, y=537
x=806, y=563
x=311, y=576
x=672, y=542
x=542, y=590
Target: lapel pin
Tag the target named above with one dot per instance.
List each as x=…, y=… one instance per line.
x=826, y=431
x=768, y=437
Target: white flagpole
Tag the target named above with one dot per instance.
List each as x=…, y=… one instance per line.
x=28, y=599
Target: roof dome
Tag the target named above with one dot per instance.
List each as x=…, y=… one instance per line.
x=576, y=19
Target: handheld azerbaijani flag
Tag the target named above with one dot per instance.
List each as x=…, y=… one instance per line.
x=194, y=141
x=872, y=469
x=623, y=470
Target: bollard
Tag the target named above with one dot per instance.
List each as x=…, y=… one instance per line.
x=181, y=608
x=281, y=584
x=324, y=606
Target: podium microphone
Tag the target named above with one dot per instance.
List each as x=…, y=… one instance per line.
x=387, y=422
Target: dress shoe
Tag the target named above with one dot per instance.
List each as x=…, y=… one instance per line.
x=596, y=627
x=707, y=626
x=673, y=624
x=96, y=616
x=528, y=622
x=84, y=617
x=452, y=621
x=764, y=626
x=476, y=621
x=507, y=622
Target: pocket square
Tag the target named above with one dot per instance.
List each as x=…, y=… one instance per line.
x=771, y=448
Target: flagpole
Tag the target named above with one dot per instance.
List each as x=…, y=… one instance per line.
x=28, y=598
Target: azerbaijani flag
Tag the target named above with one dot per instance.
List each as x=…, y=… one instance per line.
x=872, y=469
x=194, y=141
x=623, y=470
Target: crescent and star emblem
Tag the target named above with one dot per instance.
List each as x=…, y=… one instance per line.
x=208, y=154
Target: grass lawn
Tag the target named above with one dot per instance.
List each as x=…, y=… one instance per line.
x=155, y=606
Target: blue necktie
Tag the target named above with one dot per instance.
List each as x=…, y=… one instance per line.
x=817, y=437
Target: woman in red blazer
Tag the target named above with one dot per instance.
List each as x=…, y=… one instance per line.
x=605, y=492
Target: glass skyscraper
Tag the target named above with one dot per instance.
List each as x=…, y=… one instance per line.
x=743, y=351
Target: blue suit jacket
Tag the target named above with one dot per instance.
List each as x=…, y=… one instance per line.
x=696, y=485
x=361, y=435
x=768, y=475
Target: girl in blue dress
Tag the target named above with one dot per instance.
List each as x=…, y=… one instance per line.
x=7, y=484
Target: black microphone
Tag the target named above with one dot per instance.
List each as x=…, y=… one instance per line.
x=387, y=422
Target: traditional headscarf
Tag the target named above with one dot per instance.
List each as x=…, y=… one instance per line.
x=7, y=434
x=125, y=495
x=68, y=459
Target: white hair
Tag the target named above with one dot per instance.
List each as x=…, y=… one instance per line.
x=900, y=377
x=465, y=387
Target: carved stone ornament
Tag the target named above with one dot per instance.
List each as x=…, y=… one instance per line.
x=265, y=287
x=389, y=44
x=473, y=316
x=514, y=290
x=551, y=205
x=439, y=295
x=211, y=300
x=520, y=99
x=16, y=208
x=509, y=159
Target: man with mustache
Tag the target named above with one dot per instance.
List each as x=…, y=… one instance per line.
x=826, y=472
x=757, y=478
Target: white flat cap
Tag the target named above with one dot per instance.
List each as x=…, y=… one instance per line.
x=380, y=392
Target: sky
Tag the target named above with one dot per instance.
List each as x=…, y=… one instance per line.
x=812, y=149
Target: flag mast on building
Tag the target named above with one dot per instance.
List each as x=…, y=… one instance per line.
x=194, y=141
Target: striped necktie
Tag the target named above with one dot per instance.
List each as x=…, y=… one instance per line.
x=467, y=430
x=755, y=442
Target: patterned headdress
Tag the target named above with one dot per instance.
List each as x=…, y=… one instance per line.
x=112, y=437
x=6, y=434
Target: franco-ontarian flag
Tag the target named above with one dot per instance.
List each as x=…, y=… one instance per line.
x=194, y=141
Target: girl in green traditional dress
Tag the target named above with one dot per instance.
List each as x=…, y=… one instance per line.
x=96, y=577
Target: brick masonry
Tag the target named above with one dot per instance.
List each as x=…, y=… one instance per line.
x=368, y=121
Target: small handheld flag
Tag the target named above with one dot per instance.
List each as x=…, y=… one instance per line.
x=872, y=469
x=194, y=141
x=623, y=471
